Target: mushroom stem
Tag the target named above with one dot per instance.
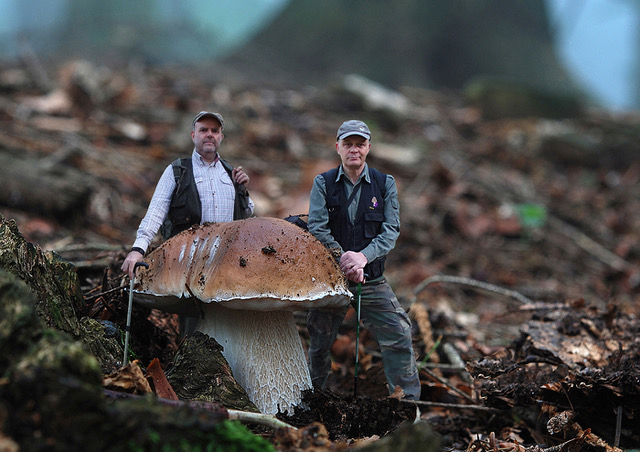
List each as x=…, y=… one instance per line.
x=264, y=351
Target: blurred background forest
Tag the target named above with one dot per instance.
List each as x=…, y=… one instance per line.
x=587, y=45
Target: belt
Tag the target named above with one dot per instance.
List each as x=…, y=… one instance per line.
x=374, y=282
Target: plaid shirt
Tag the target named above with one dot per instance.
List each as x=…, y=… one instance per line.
x=216, y=191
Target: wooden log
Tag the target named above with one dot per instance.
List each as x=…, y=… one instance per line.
x=31, y=185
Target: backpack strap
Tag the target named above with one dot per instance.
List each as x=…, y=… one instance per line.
x=179, y=167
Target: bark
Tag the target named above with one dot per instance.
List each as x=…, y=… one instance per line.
x=200, y=372
x=53, y=281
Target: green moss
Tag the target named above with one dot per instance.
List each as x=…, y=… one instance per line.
x=228, y=436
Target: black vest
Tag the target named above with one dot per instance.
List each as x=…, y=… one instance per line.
x=185, y=209
x=369, y=216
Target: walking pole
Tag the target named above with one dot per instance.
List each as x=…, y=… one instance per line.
x=128, y=328
x=355, y=381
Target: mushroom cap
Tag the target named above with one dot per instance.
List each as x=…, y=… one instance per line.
x=258, y=264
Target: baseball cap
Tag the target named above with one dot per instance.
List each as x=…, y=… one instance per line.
x=211, y=114
x=353, y=127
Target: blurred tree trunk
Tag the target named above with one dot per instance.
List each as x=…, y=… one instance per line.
x=408, y=42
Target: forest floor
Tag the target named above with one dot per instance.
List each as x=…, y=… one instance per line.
x=518, y=257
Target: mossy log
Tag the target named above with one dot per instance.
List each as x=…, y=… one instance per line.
x=53, y=280
x=59, y=301
x=51, y=395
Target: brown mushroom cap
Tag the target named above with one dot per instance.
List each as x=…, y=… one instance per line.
x=258, y=264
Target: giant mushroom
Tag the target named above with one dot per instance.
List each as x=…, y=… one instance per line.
x=244, y=279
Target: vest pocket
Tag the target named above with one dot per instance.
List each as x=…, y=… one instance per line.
x=333, y=211
x=372, y=224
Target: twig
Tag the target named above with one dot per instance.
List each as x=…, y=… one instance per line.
x=106, y=292
x=455, y=358
x=473, y=283
x=541, y=306
x=258, y=418
x=446, y=383
x=589, y=245
x=441, y=366
x=458, y=406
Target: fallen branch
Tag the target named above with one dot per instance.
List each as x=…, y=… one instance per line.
x=473, y=283
x=242, y=416
x=453, y=406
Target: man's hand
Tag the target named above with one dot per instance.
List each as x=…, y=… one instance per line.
x=130, y=262
x=352, y=264
x=239, y=176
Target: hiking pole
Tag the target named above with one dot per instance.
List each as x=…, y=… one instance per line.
x=128, y=328
x=355, y=381
x=358, y=305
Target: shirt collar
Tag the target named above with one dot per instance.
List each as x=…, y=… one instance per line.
x=364, y=175
x=198, y=160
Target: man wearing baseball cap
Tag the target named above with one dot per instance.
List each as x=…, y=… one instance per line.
x=194, y=190
x=354, y=209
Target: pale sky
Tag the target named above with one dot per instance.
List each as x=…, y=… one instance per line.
x=597, y=42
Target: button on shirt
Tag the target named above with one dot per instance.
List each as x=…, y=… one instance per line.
x=216, y=190
x=217, y=196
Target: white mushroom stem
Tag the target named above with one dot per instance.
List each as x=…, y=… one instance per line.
x=264, y=351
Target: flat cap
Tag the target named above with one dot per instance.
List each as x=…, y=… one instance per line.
x=204, y=114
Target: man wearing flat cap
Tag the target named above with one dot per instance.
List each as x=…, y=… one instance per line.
x=354, y=208
x=194, y=190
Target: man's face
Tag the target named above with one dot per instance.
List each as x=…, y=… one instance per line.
x=353, y=151
x=207, y=137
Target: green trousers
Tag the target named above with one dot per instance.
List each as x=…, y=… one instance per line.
x=389, y=323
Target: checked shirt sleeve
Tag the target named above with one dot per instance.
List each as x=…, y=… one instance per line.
x=157, y=211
